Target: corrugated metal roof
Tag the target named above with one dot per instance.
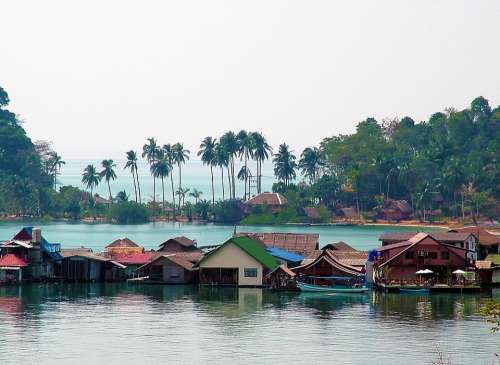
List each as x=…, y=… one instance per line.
x=284, y=254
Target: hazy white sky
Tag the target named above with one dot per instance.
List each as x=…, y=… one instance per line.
x=98, y=77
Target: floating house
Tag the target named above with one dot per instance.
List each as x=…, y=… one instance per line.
x=179, y=244
x=30, y=255
x=488, y=242
x=299, y=243
x=82, y=264
x=401, y=260
x=463, y=240
x=128, y=253
x=171, y=268
x=123, y=246
x=240, y=261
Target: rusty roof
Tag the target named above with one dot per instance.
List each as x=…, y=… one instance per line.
x=267, y=198
x=438, y=236
x=300, y=243
x=122, y=242
x=484, y=237
x=182, y=240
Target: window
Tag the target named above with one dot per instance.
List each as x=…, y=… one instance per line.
x=409, y=255
x=250, y=273
x=445, y=255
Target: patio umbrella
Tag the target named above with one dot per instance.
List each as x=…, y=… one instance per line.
x=424, y=272
x=459, y=272
x=420, y=272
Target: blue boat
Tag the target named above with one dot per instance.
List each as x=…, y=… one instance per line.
x=414, y=290
x=346, y=285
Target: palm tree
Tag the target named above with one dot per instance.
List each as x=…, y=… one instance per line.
x=208, y=156
x=169, y=155
x=161, y=168
x=221, y=160
x=91, y=179
x=150, y=150
x=55, y=163
x=284, y=164
x=182, y=195
x=230, y=143
x=132, y=165
x=196, y=194
x=261, y=152
x=244, y=174
x=122, y=196
x=310, y=163
x=245, y=148
x=108, y=173
x=180, y=156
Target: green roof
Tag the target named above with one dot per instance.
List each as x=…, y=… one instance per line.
x=495, y=258
x=252, y=248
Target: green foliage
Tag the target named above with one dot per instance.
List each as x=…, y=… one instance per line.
x=228, y=211
x=128, y=213
x=491, y=311
x=259, y=219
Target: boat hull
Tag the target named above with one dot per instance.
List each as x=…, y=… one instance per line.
x=323, y=289
x=414, y=291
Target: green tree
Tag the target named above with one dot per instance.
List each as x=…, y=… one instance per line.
x=150, y=151
x=91, y=179
x=160, y=169
x=261, y=152
x=131, y=164
x=170, y=156
x=208, y=157
x=284, y=164
x=55, y=162
x=230, y=145
x=180, y=156
x=196, y=194
x=108, y=173
x=310, y=163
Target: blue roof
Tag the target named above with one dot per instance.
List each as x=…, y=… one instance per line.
x=279, y=253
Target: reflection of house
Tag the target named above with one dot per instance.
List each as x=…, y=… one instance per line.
x=30, y=247
x=83, y=265
x=302, y=244
x=465, y=240
x=170, y=269
x=240, y=261
x=488, y=242
x=401, y=260
x=273, y=201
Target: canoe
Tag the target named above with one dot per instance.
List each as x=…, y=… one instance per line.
x=330, y=289
x=414, y=290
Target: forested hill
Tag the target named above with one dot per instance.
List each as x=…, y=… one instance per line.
x=449, y=162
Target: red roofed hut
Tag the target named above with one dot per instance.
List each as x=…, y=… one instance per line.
x=11, y=268
x=273, y=201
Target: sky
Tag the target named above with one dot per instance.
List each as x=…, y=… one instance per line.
x=98, y=77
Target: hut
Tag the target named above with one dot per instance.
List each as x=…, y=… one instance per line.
x=273, y=201
x=240, y=261
x=395, y=210
x=11, y=269
x=179, y=244
x=133, y=261
x=169, y=269
x=83, y=265
x=281, y=278
x=123, y=246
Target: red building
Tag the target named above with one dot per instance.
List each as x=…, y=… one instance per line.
x=401, y=260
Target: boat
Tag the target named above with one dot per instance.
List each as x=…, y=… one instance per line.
x=331, y=289
x=414, y=290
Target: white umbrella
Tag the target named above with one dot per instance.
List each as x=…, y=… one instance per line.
x=459, y=272
x=420, y=272
x=424, y=272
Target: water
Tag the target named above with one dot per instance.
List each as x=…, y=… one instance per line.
x=127, y=324
x=150, y=235
x=194, y=175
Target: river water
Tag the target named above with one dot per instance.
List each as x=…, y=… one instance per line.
x=141, y=324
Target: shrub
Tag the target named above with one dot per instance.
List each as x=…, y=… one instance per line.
x=128, y=213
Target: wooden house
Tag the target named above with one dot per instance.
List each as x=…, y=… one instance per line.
x=83, y=265
x=172, y=268
x=401, y=260
x=123, y=246
x=240, y=261
x=30, y=247
x=273, y=201
x=488, y=242
x=179, y=244
x=11, y=269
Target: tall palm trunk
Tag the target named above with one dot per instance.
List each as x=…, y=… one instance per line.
x=232, y=175
x=229, y=181
x=222, y=181
x=173, y=192
x=135, y=186
x=180, y=182
x=163, y=194
x=246, y=175
x=138, y=187
x=213, y=190
x=109, y=189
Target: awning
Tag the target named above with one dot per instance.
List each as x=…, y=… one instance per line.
x=9, y=268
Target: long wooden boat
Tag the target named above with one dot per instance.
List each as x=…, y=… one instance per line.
x=414, y=290
x=331, y=289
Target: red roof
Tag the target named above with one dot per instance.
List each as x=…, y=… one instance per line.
x=123, y=242
x=134, y=259
x=12, y=260
x=275, y=199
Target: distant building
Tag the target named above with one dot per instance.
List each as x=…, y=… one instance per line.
x=33, y=258
x=488, y=242
x=240, y=261
x=273, y=201
x=395, y=210
x=179, y=244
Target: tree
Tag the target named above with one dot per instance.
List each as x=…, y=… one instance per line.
x=91, y=179
x=181, y=193
x=132, y=165
x=284, y=164
x=121, y=197
x=492, y=313
x=180, y=156
x=230, y=144
x=310, y=163
x=169, y=154
x=208, y=157
x=196, y=194
x=161, y=168
x=245, y=149
x=244, y=175
x=108, y=173
x=55, y=163
x=261, y=152
x=150, y=151
x=221, y=160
